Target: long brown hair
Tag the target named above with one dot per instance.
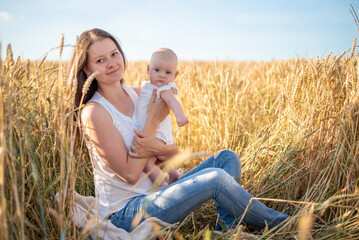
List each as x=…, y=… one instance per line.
x=79, y=61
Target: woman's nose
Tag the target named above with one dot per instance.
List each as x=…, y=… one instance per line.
x=111, y=63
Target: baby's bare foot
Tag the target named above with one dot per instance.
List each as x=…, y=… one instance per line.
x=163, y=184
x=173, y=176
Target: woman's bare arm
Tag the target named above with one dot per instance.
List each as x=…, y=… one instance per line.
x=100, y=130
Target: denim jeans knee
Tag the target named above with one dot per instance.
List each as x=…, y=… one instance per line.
x=228, y=161
x=226, y=151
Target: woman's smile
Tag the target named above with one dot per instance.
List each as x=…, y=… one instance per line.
x=113, y=72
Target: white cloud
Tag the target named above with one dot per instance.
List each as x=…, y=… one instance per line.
x=5, y=16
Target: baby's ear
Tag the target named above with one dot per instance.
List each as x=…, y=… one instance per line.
x=176, y=74
x=148, y=69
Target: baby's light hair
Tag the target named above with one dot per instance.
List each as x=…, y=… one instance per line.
x=165, y=53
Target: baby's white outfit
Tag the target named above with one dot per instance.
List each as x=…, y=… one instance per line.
x=164, y=130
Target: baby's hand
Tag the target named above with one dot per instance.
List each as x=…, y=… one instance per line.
x=182, y=121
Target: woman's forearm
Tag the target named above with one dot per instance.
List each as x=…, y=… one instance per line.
x=144, y=146
x=140, y=163
x=150, y=127
x=166, y=152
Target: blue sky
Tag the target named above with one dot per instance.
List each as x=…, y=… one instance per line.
x=195, y=29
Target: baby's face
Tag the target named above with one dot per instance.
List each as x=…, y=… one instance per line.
x=162, y=71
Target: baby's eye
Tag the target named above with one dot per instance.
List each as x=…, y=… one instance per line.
x=157, y=70
x=168, y=72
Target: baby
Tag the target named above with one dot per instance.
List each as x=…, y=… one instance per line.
x=162, y=71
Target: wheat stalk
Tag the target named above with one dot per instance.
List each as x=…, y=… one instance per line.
x=353, y=48
x=61, y=47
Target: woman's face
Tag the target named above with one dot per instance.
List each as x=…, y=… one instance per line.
x=105, y=58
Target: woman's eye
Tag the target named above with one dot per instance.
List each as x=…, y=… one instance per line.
x=99, y=61
x=114, y=54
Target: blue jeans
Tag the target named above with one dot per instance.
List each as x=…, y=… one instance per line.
x=215, y=178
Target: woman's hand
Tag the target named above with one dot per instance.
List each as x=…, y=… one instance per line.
x=144, y=146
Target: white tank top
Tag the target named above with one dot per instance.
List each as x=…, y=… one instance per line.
x=112, y=192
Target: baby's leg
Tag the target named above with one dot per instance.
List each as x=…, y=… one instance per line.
x=172, y=173
x=155, y=173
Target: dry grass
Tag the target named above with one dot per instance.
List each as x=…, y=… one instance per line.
x=294, y=123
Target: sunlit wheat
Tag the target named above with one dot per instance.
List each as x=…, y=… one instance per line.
x=294, y=123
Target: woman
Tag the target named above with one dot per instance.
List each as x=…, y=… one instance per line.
x=119, y=155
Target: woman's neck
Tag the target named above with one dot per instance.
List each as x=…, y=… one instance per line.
x=113, y=92
x=118, y=97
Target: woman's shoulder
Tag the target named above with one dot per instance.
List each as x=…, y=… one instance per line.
x=94, y=111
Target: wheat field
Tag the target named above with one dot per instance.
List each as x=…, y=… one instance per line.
x=294, y=123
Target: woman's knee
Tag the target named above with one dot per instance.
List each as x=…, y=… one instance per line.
x=225, y=152
x=219, y=152
x=228, y=155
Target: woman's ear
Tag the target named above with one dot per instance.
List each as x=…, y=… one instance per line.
x=86, y=71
